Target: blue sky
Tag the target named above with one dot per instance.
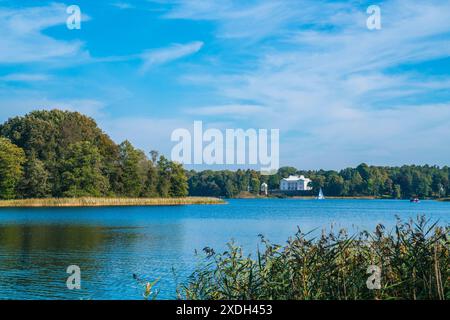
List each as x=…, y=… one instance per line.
x=339, y=93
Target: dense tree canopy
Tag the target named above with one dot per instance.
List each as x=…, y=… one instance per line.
x=390, y=182
x=64, y=154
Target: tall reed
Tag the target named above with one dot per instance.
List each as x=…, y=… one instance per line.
x=413, y=257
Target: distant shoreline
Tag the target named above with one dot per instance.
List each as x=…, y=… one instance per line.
x=248, y=196
x=106, y=202
x=305, y=197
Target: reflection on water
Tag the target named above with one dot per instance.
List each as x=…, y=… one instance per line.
x=112, y=244
x=34, y=259
x=37, y=255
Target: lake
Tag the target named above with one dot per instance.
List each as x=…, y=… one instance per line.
x=111, y=244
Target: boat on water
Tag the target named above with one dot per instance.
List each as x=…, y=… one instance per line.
x=414, y=200
x=320, y=196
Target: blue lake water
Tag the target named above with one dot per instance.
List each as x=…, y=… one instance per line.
x=112, y=244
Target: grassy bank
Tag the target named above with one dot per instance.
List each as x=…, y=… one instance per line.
x=107, y=202
x=413, y=260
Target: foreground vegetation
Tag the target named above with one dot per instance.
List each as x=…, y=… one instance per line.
x=106, y=202
x=414, y=261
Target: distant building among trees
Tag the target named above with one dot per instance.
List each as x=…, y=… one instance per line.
x=295, y=183
x=374, y=181
x=264, y=189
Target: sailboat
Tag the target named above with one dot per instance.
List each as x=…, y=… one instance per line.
x=320, y=196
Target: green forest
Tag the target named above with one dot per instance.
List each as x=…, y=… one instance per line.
x=64, y=154
x=371, y=181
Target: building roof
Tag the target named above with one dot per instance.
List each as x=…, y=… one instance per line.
x=296, y=178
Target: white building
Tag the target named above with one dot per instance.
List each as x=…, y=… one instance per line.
x=264, y=188
x=295, y=183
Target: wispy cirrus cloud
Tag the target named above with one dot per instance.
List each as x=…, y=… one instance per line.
x=147, y=133
x=230, y=110
x=11, y=107
x=25, y=77
x=332, y=86
x=22, y=39
x=123, y=5
x=257, y=20
x=177, y=51
x=340, y=94
x=237, y=19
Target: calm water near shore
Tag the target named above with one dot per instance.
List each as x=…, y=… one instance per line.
x=111, y=244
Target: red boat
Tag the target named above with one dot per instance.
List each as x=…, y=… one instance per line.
x=414, y=200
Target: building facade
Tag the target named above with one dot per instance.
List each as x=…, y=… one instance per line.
x=295, y=183
x=264, y=189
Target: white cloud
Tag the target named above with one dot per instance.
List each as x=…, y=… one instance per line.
x=144, y=132
x=232, y=110
x=24, y=77
x=22, y=39
x=164, y=55
x=123, y=5
x=13, y=107
x=254, y=19
x=340, y=93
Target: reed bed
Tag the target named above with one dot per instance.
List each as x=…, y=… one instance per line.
x=107, y=202
x=413, y=257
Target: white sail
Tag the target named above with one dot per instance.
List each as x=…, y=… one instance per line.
x=320, y=196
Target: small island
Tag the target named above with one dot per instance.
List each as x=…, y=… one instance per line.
x=63, y=159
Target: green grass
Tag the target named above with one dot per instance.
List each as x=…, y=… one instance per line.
x=414, y=262
x=107, y=202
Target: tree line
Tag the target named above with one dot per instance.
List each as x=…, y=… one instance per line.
x=364, y=180
x=65, y=154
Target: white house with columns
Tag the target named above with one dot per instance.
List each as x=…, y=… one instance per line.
x=295, y=183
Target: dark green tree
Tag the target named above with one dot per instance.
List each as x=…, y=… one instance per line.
x=82, y=171
x=35, y=183
x=12, y=159
x=178, y=181
x=134, y=170
x=397, y=192
x=334, y=185
x=164, y=175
